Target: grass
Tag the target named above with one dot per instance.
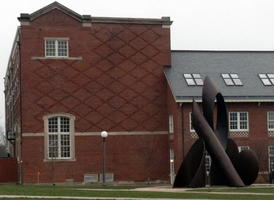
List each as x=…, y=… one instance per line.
x=250, y=189
x=35, y=190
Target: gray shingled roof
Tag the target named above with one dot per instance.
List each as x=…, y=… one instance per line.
x=247, y=64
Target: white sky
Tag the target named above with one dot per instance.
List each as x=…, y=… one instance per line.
x=197, y=24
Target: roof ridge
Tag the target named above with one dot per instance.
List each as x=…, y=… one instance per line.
x=48, y=8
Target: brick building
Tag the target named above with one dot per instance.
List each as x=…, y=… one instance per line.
x=246, y=80
x=72, y=76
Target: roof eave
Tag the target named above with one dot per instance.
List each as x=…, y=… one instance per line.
x=229, y=100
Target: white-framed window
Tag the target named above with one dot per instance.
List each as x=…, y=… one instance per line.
x=191, y=129
x=242, y=148
x=56, y=47
x=170, y=124
x=270, y=121
x=271, y=157
x=232, y=79
x=59, y=137
x=194, y=79
x=267, y=79
x=238, y=121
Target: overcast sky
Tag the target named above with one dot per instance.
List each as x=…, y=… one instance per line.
x=197, y=24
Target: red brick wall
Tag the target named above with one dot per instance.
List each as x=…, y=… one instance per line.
x=139, y=158
x=119, y=80
x=117, y=86
x=8, y=169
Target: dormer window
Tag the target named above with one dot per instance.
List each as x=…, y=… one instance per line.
x=194, y=79
x=56, y=47
x=267, y=79
x=232, y=80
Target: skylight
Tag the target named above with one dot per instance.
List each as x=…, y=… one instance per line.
x=194, y=79
x=232, y=79
x=267, y=79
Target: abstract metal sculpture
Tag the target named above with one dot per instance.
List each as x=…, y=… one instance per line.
x=229, y=167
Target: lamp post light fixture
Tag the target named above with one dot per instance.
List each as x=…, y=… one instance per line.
x=104, y=135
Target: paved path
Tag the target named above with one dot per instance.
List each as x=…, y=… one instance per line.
x=181, y=190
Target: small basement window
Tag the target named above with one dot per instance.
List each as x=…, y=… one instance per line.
x=194, y=79
x=232, y=80
x=267, y=79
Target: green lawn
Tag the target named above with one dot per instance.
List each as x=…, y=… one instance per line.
x=251, y=189
x=73, y=191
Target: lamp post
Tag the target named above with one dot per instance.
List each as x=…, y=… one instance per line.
x=104, y=135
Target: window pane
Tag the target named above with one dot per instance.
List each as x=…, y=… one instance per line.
x=271, y=162
x=64, y=124
x=233, y=125
x=266, y=81
x=233, y=121
x=262, y=76
x=233, y=116
x=228, y=82
x=171, y=125
x=270, y=75
x=53, y=146
x=53, y=125
x=62, y=47
x=234, y=75
x=225, y=75
x=237, y=82
x=243, y=125
x=65, y=146
x=271, y=125
x=190, y=123
x=196, y=75
x=270, y=120
x=243, y=116
x=190, y=82
x=271, y=115
x=271, y=150
x=243, y=120
x=50, y=48
x=187, y=76
x=199, y=81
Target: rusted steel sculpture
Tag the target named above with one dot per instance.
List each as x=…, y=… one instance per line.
x=229, y=167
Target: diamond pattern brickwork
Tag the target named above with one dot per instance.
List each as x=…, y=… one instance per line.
x=117, y=86
x=238, y=134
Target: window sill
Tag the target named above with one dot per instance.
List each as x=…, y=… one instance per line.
x=56, y=58
x=239, y=130
x=60, y=160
